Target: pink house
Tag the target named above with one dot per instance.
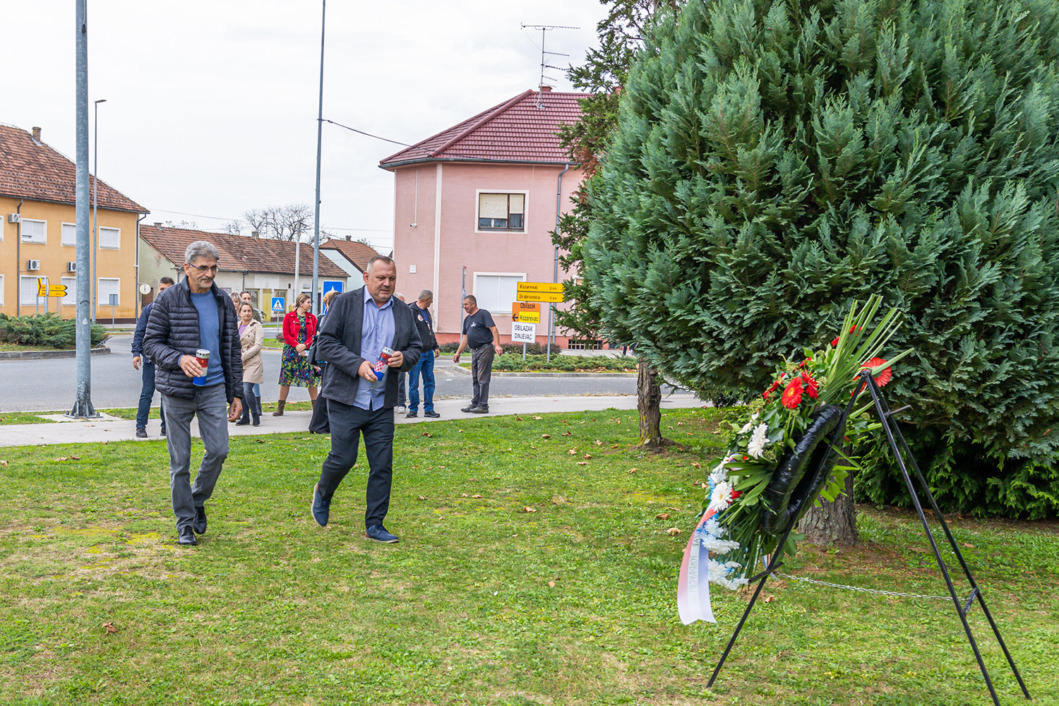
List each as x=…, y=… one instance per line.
x=475, y=205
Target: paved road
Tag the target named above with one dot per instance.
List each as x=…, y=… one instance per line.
x=33, y=385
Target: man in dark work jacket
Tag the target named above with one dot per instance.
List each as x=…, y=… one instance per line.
x=359, y=324
x=188, y=316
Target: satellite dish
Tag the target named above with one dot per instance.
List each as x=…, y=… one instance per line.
x=145, y=288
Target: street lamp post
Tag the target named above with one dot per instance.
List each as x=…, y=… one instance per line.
x=95, y=204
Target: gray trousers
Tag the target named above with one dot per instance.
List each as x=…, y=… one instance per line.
x=481, y=374
x=211, y=406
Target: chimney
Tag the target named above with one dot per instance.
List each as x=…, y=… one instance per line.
x=546, y=89
x=157, y=224
x=36, y=135
x=349, y=238
x=254, y=234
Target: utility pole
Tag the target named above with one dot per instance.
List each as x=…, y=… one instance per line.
x=83, y=403
x=95, y=208
x=319, y=144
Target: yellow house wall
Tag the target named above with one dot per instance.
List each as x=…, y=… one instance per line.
x=117, y=263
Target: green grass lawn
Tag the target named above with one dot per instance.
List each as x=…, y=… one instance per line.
x=534, y=568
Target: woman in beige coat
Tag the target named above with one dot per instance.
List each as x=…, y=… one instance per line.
x=251, y=336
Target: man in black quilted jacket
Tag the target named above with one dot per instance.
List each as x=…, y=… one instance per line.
x=189, y=316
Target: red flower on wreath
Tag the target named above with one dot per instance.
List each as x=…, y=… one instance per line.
x=811, y=385
x=884, y=376
x=835, y=342
x=792, y=394
x=774, y=386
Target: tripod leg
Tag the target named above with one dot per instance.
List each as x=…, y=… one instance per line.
x=739, y=627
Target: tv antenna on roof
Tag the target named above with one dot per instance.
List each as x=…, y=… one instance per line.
x=544, y=29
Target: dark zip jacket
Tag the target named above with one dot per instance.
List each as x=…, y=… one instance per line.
x=173, y=331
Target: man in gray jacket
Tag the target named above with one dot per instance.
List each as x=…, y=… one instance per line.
x=189, y=316
x=360, y=392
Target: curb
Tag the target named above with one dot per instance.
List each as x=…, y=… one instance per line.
x=43, y=355
x=571, y=374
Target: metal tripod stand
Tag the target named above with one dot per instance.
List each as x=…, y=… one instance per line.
x=900, y=450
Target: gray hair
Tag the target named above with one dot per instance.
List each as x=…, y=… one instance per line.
x=425, y=294
x=201, y=248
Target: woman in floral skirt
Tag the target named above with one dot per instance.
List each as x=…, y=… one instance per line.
x=299, y=330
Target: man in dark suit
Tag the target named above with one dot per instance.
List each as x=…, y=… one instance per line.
x=359, y=324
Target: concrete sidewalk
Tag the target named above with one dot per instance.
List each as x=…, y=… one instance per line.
x=111, y=429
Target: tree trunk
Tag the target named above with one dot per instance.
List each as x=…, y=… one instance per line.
x=649, y=404
x=832, y=523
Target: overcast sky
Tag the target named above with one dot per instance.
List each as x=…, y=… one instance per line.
x=211, y=105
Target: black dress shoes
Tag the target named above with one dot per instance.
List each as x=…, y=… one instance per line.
x=186, y=536
x=199, y=524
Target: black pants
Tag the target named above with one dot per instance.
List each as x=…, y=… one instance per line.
x=348, y=423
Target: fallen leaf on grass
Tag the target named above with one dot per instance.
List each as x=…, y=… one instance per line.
x=546, y=436
x=3, y=463
x=426, y=433
x=662, y=516
x=463, y=495
x=632, y=470
x=538, y=418
x=673, y=531
x=566, y=433
x=518, y=418
x=572, y=451
x=968, y=545
x=109, y=628
x=529, y=509
x=422, y=497
x=582, y=463
x=551, y=584
x=61, y=458
x=587, y=456
x=696, y=465
x=597, y=442
x=476, y=495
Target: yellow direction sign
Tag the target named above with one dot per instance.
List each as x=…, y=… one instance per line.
x=526, y=312
x=555, y=298
x=542, y=287
x=55, y=290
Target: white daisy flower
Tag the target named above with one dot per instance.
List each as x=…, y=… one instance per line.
x=721, y=497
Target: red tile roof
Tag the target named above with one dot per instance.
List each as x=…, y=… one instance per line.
x=522, y=129
x=357, y=253
x=33, y=170
x=239, y=253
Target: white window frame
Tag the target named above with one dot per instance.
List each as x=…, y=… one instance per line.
x=521, y=277
x=508, y=192
x=71, y=291
x=22, y=231
x=101, y=241
x=62, y=236
x=31, y=300
x=102, y=297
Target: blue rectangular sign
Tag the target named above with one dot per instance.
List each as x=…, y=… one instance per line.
x=278, y=304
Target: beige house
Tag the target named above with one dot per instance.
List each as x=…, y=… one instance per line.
x=38, y=234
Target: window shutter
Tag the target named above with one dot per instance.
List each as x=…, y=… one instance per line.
x=492, y=206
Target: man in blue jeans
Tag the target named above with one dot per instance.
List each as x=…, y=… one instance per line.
x=147, y=376
x=425, y=366
x=192, y=315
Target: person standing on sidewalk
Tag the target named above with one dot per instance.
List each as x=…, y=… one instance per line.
x=299, y=332
x=251, y=338
x=425, y=365
x=480, y=334
x=143, y=411
x=360, y=402
x=187, y=317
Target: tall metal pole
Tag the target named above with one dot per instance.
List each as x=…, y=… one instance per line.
x=83, y=403
x=95, y=205
x=319, y=145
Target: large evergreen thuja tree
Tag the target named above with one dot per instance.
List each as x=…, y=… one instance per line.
x=775, y=160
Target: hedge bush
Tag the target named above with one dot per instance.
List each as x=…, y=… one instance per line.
x=46, y=331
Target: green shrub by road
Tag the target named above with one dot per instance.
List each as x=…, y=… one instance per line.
x=482, y=602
